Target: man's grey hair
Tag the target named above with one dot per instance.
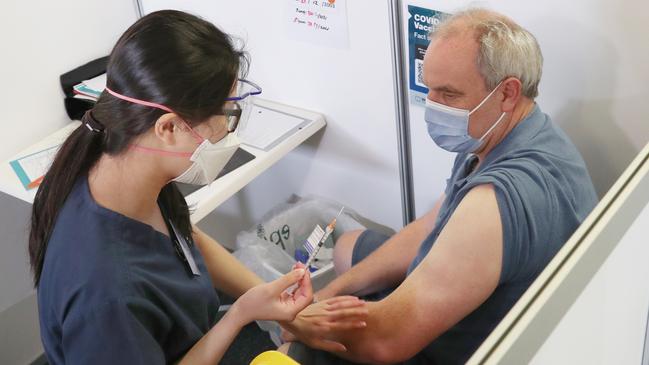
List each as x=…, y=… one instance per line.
x=505, y=48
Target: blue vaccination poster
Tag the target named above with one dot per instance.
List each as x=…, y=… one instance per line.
x=421, y=22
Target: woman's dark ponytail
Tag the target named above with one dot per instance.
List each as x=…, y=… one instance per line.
x=77, y=155
x=167, y=57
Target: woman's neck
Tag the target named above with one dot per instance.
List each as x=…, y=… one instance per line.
x=128, y=184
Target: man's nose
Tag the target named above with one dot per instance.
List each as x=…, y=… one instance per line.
x=432, y=96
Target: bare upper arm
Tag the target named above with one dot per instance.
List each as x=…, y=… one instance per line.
x=458, y=274
x=430, y=217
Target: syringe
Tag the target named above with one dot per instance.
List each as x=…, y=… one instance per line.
x=330, y=228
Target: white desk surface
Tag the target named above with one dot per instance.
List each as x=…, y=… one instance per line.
x=207, y=198
x=9, y=182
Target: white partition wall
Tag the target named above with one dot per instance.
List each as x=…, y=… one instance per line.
x=607, y=324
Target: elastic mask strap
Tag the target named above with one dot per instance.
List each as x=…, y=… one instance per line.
x=486, y=98
x=138, y=101
x=161, y=152
x=198, y=137
x=492, y=127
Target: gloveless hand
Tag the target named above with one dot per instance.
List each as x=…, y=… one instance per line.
x=313, y=325
x=272, y=302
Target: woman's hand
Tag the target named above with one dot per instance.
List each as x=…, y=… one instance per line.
x=272, y=301
x=268, y=301
x=314, y=323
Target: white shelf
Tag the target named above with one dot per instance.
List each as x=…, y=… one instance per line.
x=206, y=199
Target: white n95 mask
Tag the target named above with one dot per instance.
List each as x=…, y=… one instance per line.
x=208, y=160
x=449, y=127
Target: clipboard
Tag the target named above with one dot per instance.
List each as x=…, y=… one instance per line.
x=31, y=168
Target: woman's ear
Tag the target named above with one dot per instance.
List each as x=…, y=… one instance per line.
x=166, y=128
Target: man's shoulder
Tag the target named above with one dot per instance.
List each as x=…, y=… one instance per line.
x=537, y=147
x=538, y=138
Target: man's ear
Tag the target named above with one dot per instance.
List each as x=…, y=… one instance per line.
x=511, y=93
x=166, y=128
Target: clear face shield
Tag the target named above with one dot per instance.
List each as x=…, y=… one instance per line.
x=233, y=110
x=245, y=93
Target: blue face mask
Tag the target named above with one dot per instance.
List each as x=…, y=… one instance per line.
x=449, y=127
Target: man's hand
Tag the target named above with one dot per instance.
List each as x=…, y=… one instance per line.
x=314, y=323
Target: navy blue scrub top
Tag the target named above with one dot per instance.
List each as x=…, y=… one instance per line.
x=113, y=290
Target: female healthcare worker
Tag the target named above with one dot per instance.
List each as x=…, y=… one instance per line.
x=122, y=275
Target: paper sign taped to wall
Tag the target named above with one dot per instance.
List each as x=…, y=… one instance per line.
x=321, y=22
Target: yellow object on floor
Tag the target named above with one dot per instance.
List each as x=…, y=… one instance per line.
x=273, y=358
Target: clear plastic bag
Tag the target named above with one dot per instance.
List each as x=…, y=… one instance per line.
x=269, y=248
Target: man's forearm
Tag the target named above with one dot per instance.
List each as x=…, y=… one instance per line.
x=369, y=344
x=384, y=268
x=387, y=266
x=398, y=326
x=380, y=270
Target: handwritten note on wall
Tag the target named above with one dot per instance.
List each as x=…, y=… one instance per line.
x=322, y=22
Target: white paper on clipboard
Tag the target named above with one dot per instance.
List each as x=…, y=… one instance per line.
x=30, y=169
x=265, y=128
